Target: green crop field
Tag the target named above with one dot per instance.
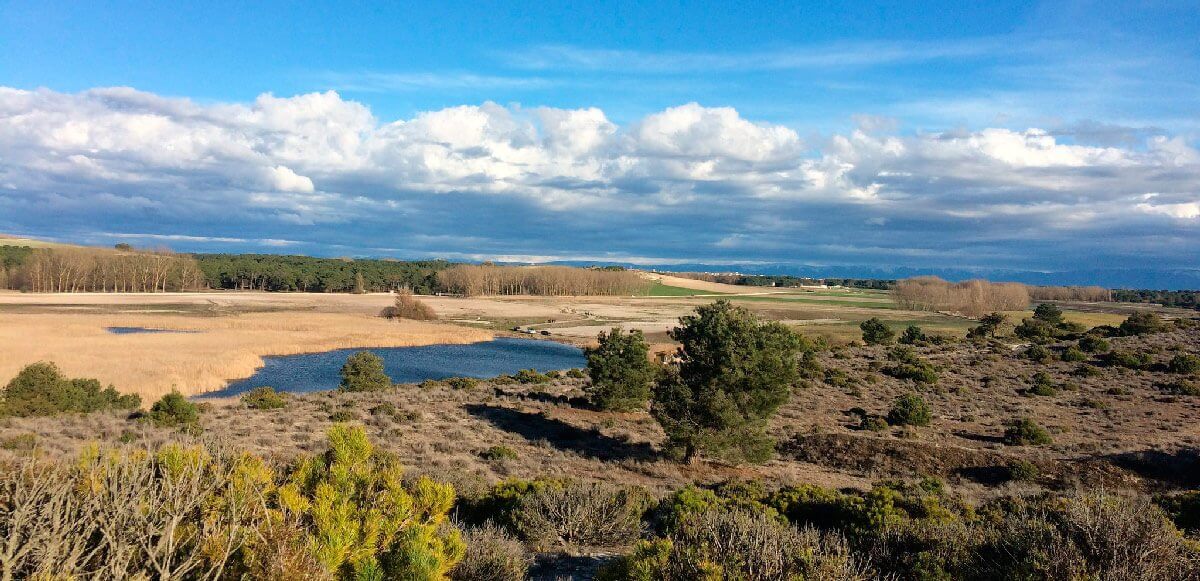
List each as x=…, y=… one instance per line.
x=662, y=290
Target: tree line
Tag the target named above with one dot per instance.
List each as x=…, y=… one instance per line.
x=1092, y=294
x=273, y=272
x=978, y=297
x=1184, y=299
x=972, y=298
x=96, y=270
x=486, y=279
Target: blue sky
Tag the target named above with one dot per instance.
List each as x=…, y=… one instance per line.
x=998, y=138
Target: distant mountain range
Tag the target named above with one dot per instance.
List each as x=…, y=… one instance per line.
x=1146, y=278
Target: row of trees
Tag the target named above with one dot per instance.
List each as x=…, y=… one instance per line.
x=1185, y=299
x=1093, y=294
x=486, y=279
x=273, y=272
x=94, y=270
x=971, y=298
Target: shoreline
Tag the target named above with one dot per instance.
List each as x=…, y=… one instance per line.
x=223, y=349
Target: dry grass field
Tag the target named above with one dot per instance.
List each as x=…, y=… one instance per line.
x=237, y=329
x=205, y=353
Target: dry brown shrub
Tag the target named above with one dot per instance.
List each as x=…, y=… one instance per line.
x=492, y=555
x=581, y=515
x=408, y=306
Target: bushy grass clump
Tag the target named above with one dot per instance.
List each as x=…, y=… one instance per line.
x=1185, y=363
x=265, y=398
x=498, y=454
x=1026, y=432
x=907, y=364
x=527, y=376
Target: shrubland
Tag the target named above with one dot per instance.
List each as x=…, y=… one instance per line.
x=607, y=486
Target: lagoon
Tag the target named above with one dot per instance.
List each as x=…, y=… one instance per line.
x=319, y=371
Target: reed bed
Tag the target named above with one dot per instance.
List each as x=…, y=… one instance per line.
x=214, y=351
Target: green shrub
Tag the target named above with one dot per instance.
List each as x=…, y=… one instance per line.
x=1093, y=344
x=1183, y=508
x=363, y=371
x=1036, y=331
x=692, y=500
x=1085, y=370
x=576, y=374
x=1043, y=385
x=837, y=377
x=990, y=326
x=19, y=443
x=1138, y=361
x=386, y=408
x=1073, y=354
x=554, y=374
x=910, y=410
x=1023, y=471
x=462, y=382
x=1184, y=363
x=1026, y=432
x=875, y=332
x=906, y=364
x=1048, y=313
x=912, y=335
x=389, y=410
x=174, y=410
x=491, y=555
x=362, y=520
x=500, y=503
x=530, y=376
x=40, y=389
x=872, y=424
x=578, y=514
x=1181, y=387
x=264, y=398
x=1038, y=353
x=343, y=416
x=1141, y=323
x=430, y=384
x=498, y=453
x=621, y=371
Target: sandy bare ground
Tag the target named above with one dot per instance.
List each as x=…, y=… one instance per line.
x=212, y=351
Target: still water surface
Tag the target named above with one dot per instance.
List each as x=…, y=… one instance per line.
x=319, y=371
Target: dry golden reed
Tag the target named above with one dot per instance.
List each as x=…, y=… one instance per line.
x=217, y=350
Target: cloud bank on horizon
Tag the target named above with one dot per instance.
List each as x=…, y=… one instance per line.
x=320, y=173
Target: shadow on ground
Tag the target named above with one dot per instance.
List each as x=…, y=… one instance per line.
x=561, y=435
x=1178, y=467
